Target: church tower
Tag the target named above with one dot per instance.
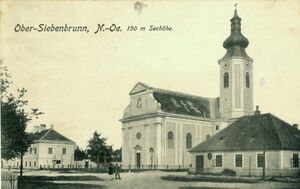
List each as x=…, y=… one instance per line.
x=236, y=71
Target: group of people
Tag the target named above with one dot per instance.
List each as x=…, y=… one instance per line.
x=114, y=169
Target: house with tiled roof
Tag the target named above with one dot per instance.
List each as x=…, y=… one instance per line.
x=250, y=144
x=50, y=149
x=160, y=126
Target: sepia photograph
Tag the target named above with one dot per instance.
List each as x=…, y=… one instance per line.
x=150, y=94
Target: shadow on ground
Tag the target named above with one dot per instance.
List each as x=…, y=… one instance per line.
x=67, y=178
x=210, y=188
x=202, y=188
x=51, y=185
x=46, y=182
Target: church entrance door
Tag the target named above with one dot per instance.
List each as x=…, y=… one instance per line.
x=138, y=160
x=199, y=163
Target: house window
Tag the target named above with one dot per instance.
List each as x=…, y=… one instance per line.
x=64, y=151
x=260, y=160
x=295, y=160
x=217, y=127
x=30, y=164
x=218, y=160
x=170, y=140
x=49, y=150
x=226, y=80
x=247, y=80
x=30, y=149
x=34, y=150
x=25, y=163
x=238, y=160
x=34, y=164
x=188, y=140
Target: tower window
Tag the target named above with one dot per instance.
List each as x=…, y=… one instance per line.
x=188, y=140
x=247, y=80
x=170, y=140
x=226, y=80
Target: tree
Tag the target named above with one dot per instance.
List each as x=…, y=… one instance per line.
x=98, y=150
x=117, y=155
x=79, y=154
x=15, y=141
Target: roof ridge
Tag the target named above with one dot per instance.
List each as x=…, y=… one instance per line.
x=270, y=118
x=273, y=118
x=63, y=136
x=45, y=134
x=180, y=93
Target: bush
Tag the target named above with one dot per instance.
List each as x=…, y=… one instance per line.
x=228, y=172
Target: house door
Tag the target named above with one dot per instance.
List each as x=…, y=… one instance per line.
x=199, y=163
x=138, y=160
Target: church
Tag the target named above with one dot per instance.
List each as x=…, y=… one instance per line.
x=160, y=127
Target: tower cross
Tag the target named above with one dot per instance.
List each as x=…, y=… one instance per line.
x=235, y=5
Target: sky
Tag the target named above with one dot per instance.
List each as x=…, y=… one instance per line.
x=81, y=81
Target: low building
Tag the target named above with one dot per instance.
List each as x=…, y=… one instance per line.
x=50, y=149
x=85, y=163
x=250, y=144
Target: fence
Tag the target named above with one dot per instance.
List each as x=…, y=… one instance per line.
x=9, y=180
x=155, y=167
x=293, y=172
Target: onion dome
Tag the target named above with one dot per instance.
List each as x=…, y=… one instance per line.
x=236, y=42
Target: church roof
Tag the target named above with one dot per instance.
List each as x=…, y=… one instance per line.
x=180, y=103
x=50, y=135
x=254, y=132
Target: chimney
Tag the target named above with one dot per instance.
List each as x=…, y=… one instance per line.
x=51, y=126
x=257, y=112
x=295, y=125
x=35, y=129
x=42, y=127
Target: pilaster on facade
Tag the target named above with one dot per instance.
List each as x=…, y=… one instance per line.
x=158, y=142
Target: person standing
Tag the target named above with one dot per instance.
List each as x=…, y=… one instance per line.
x=111, y=170
x=117, y=172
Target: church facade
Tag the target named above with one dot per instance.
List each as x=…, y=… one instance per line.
x=160, y=126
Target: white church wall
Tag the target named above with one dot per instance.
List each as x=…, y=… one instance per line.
x=132, y=143
x=179, y=155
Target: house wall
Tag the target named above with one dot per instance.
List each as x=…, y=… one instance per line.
x=277, y=163
x=42, y=159
x=45, y=160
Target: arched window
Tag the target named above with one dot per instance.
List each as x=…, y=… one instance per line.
x=247, y=80
x=207, y=137
x=170, y=140
x=226, y=80
x=188, y=140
